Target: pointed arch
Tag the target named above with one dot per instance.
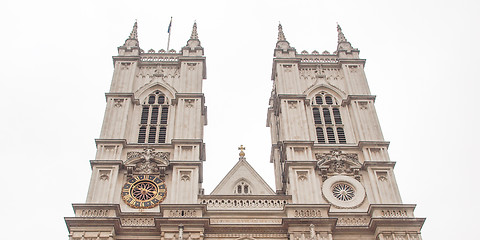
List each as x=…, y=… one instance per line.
x=147, y=89
x=336, y=92
x=155, y=106
x=243, y=187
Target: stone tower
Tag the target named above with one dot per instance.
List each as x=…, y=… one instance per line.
x=333, y=176
x=327, y=145
x=151, y=148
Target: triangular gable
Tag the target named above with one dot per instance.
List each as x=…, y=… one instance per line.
x=243, y=172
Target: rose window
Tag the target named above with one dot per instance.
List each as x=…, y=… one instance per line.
x=343, y=192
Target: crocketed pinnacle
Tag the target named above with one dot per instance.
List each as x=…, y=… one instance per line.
x=133, y=34
x=194, y=31
x=281, y=35
x=341, y=36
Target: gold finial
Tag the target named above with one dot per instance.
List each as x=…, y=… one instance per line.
x=241, y=154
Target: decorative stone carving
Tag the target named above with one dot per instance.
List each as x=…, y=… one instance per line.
x=292, y=104
x=147, y=162
x=182, y=213
x=118, y=102
x=336, y=162
x=189, y=103
x=104, y=177
x=363, y=105
x=191, y=66
x=137, y=222
x=382, y=179
x=398, y=236
x=302, y=176
x=125, y=65
x=94, y=213
x=225, y=203
x=307, y=213
x=353, y=221
x=287, y=67
x=394, y=213
x=185, y=176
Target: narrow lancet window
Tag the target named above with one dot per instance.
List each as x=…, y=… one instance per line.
x=316, y=116
x=326, y=115
x=330, y=135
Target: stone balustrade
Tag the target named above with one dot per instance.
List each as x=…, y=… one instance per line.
x=245, y=203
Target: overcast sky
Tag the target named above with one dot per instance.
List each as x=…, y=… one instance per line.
x=422, y=64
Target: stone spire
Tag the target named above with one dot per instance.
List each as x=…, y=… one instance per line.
x=194, y=31
x=344, y=48
x=283, y=47
x=131, y=45
x=133, y=34
x=281, y=35
x=193, y=47
x=341, y=36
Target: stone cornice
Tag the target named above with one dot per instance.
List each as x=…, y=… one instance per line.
x=125, y=58
x=374, y=143
x=379, y=164
x=105, y=162
x=342, y=61
x=357, y=97
x=123, y=142
x=122, y=95
x=292, y=96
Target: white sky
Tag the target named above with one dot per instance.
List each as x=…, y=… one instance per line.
x=422, y=63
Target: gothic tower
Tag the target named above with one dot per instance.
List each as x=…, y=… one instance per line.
x=327, y=145
x=333, y=176
x=151, y=148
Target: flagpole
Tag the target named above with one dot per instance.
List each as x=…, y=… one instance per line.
x=169, y=31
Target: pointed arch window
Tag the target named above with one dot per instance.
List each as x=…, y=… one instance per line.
x=328, y=121
x=154, y=119
x=242, y=188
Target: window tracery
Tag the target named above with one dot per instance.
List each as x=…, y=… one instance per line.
x=242, y=188
x=154, y=108
x=328, y=121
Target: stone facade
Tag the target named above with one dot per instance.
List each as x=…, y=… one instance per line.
x=333, y=176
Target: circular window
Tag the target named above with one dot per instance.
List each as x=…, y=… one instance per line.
x=343, y=191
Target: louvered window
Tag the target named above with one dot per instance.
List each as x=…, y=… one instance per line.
x=316, y=116
x=141, y=134
x=330, y=135
x=162, y=135
x=164, y=117
x=341, y=135
x=151, y=134
x=328, y=121
x=152, y=130
x=336, y=116
x=320, y=135
x=326, y=115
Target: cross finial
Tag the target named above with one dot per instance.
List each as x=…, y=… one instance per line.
x=241, y=154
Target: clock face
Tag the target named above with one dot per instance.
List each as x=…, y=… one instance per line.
x=144, y=191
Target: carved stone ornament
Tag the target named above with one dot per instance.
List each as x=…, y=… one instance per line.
x=147, y=162
x=336, y=162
